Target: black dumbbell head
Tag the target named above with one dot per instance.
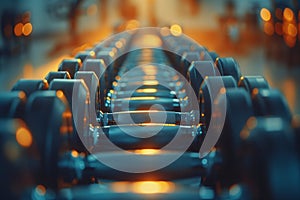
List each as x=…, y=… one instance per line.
x=268, y=159
x=253, y=82
x=57, y=75
x=228, y=67
x=29, y=86
x=270, y=102
x=12, y=104
x=70, y=65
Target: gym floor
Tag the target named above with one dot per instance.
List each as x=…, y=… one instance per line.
x=256, y=52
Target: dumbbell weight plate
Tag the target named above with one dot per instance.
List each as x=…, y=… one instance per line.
x=186, y=60
x=252, y=82
x=270, y=102
x=78, y=98
x=18, y=158
x=70, y=65
x=228, y=67
x=197, y=71
x=48, y=117
x=98, y=67
x=206, y=88
x=239, y=110
x=269, y=161
x=92, y=83
x=12, y=104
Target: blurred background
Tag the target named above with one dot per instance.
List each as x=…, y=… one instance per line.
x=263, y=36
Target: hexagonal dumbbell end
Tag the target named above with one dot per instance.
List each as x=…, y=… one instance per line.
x=70, y=65
x=29, y=86
x=57, y=75
x=253, y=82
x=78, y=97
x=228, y=67
x=12, y=104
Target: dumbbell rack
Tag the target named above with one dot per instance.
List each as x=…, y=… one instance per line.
x=125, y=102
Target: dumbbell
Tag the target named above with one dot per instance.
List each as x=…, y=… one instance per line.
x=268, y=159
x=98, y=67
x=147, y=116
x=186, y=60
x=29, y=86
x=251, y=83
x=92, y=83
x=209, y=90
x=238, y=110
x=78, y=97
x=270, y=102
x=49, y=119
x=57, y=75
x=197, y=71
x=70, y=65
x=17, y=158
x=82, y=55
x=228, y=67
x=12, y=104
x=188, y=164
x=38, y=138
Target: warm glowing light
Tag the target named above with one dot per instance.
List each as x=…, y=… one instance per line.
x=223, y=90
x=142, y=98
x=143, y=187
x=27, y=29
x=176, y=30
x=24, y=137
x=121, y=187
x=152, y=187
x=22, y=95
x=251, y=123
x=288, y=14
x=132, y=24
x=41, y=190
x=156, y=124
x=119, y=44
x=290, y=41
x=74, y=153
x=18, y=29
x=152, y=82
x=292, y=30
x=269, y=28
x=59, y=94
x=150, y=40
x=147, y=90
x=92, y=54
x=150, y=70
x=147, y=151
x=265, y=14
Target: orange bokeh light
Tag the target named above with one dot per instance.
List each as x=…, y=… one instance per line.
x=292, y=30
x=18, y=29
x=27, y=29
x=152, y=187
x=265, y=14
x=269, y=28
x=288, y=14
x=24, y=137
